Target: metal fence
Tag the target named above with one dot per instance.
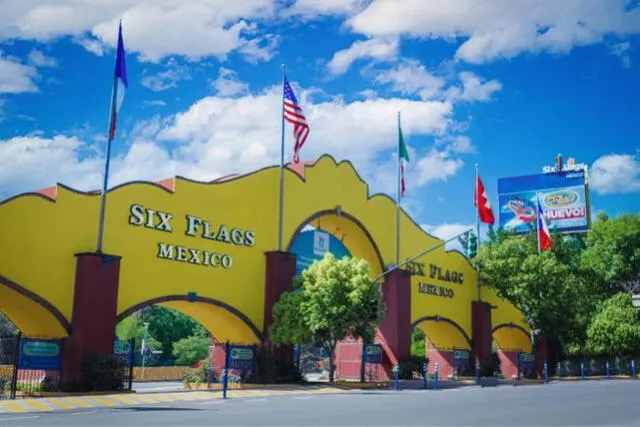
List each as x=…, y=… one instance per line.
x=597, y=366
x=8, y=366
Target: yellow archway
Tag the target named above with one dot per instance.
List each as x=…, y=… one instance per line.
x=512, y=337
x=223, y=321
x=33, y=315
x=444, y=333
x=348, y=229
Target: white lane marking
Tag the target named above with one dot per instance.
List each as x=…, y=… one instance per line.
x=20, y=418
x=304, y=397
x=83, y=413
x=256, y=400
x=209, y=402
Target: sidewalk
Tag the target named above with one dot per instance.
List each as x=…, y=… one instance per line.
x=49, y=404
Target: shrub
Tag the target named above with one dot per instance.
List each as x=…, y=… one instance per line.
x=490, y=366
x=199, y=374
x=411, y=367
x=102, y=372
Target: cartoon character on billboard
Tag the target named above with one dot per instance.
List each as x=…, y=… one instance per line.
x=524, y=214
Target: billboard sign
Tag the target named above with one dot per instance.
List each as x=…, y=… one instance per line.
x=39, y=354
x=311, y=245
x=563, y=197
x=461, y=358
x=123, y=350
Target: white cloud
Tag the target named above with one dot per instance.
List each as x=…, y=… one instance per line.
x=227, y=83
x=500, y=28
x=16, y=77
x=411, y=77
x=194, y=29
x=39, y=59
x=621, y=50
x=154, y=103
x=437, y=166
x=447, y=231
x=461, y=144
x=219, y=135
x=166, y=79
x=318, y=8
x=473, y=88
x=615, y=173
x=378, y=49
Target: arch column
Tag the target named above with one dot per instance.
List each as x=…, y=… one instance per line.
x=279, y=274
x=396, y=325
x=95, y=304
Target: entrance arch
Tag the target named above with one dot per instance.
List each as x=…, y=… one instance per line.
x=443, y=333
x=512, y=337
x=222, y=320
x=34, y=316
x=350, y=231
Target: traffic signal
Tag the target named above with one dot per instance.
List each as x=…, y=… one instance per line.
x=472, y=245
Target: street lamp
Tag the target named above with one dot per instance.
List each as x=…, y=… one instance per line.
x=143, y=348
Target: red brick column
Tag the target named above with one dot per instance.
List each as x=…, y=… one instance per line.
x=95, y=304
x=279, y=274
x=508, y=363
x=481, y=329
x=396, y=325
x=444, y=359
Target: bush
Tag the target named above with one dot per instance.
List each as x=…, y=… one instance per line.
x=490, y=366
x=102, y=372
x=198, y=375
x=5, y=382
x=411, y=367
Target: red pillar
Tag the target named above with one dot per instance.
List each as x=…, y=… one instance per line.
x=481, y=329
x=508, y=363
x=396, y=325
x=280, y=271
x=95, y=304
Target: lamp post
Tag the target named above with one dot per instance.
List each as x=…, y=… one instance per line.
x=144, y=347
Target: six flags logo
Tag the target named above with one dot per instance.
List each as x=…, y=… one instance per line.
x=558, y=206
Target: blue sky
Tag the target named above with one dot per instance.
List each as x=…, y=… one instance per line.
x=477, y=82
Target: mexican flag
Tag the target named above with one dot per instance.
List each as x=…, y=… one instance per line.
x=403, y=155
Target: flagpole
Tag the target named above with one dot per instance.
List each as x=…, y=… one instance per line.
x=398, y=190
x=105, y=182
x=477, y=203
x=281, y=191
x=538, y=221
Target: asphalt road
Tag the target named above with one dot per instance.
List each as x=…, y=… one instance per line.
x=591, y=403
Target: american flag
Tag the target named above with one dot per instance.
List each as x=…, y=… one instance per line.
x=294, y=115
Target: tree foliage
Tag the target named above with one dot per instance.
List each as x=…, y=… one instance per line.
x=333, y=299
x=615, y=328
x=560, y=290
x=191, y=350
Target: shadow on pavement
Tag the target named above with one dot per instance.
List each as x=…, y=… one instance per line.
x=155, y=408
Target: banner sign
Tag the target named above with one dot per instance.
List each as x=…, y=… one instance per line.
x=460, y=358
x=373, y=353
x=563, y=197
x=311, y=245
x=527, y=360
x=124, y=350
x=40, y=354
x=241, y=357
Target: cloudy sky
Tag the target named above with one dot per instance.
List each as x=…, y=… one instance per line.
x=506, y=84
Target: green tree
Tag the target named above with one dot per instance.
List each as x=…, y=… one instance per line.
x=169, y=326
x=190, y=350
x=615, y=328
x=418, y=342
x=333, y=299
x=546, y=289
x=613, y=250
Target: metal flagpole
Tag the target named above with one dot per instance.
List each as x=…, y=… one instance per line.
x=398, y=190
x=281, y=193
x=538, y=220
x=477, y=196
x=105, y=182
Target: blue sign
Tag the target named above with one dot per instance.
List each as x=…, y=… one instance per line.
x=372, y=353
x=241, y=357
x=124, y=350
x=460, y=358
x=311, y=245
x=563, y=197
x=40, y=354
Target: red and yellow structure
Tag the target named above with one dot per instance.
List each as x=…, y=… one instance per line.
x=208, y=249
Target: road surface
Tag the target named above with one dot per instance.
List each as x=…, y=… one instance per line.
x=590, y=403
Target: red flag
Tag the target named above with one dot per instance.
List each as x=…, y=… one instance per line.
x=544, y=237
x=481, y=201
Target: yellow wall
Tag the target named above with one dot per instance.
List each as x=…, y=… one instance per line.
x=41, y=236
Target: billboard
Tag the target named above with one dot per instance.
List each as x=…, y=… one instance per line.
x=563, y=197
x=311, y=245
